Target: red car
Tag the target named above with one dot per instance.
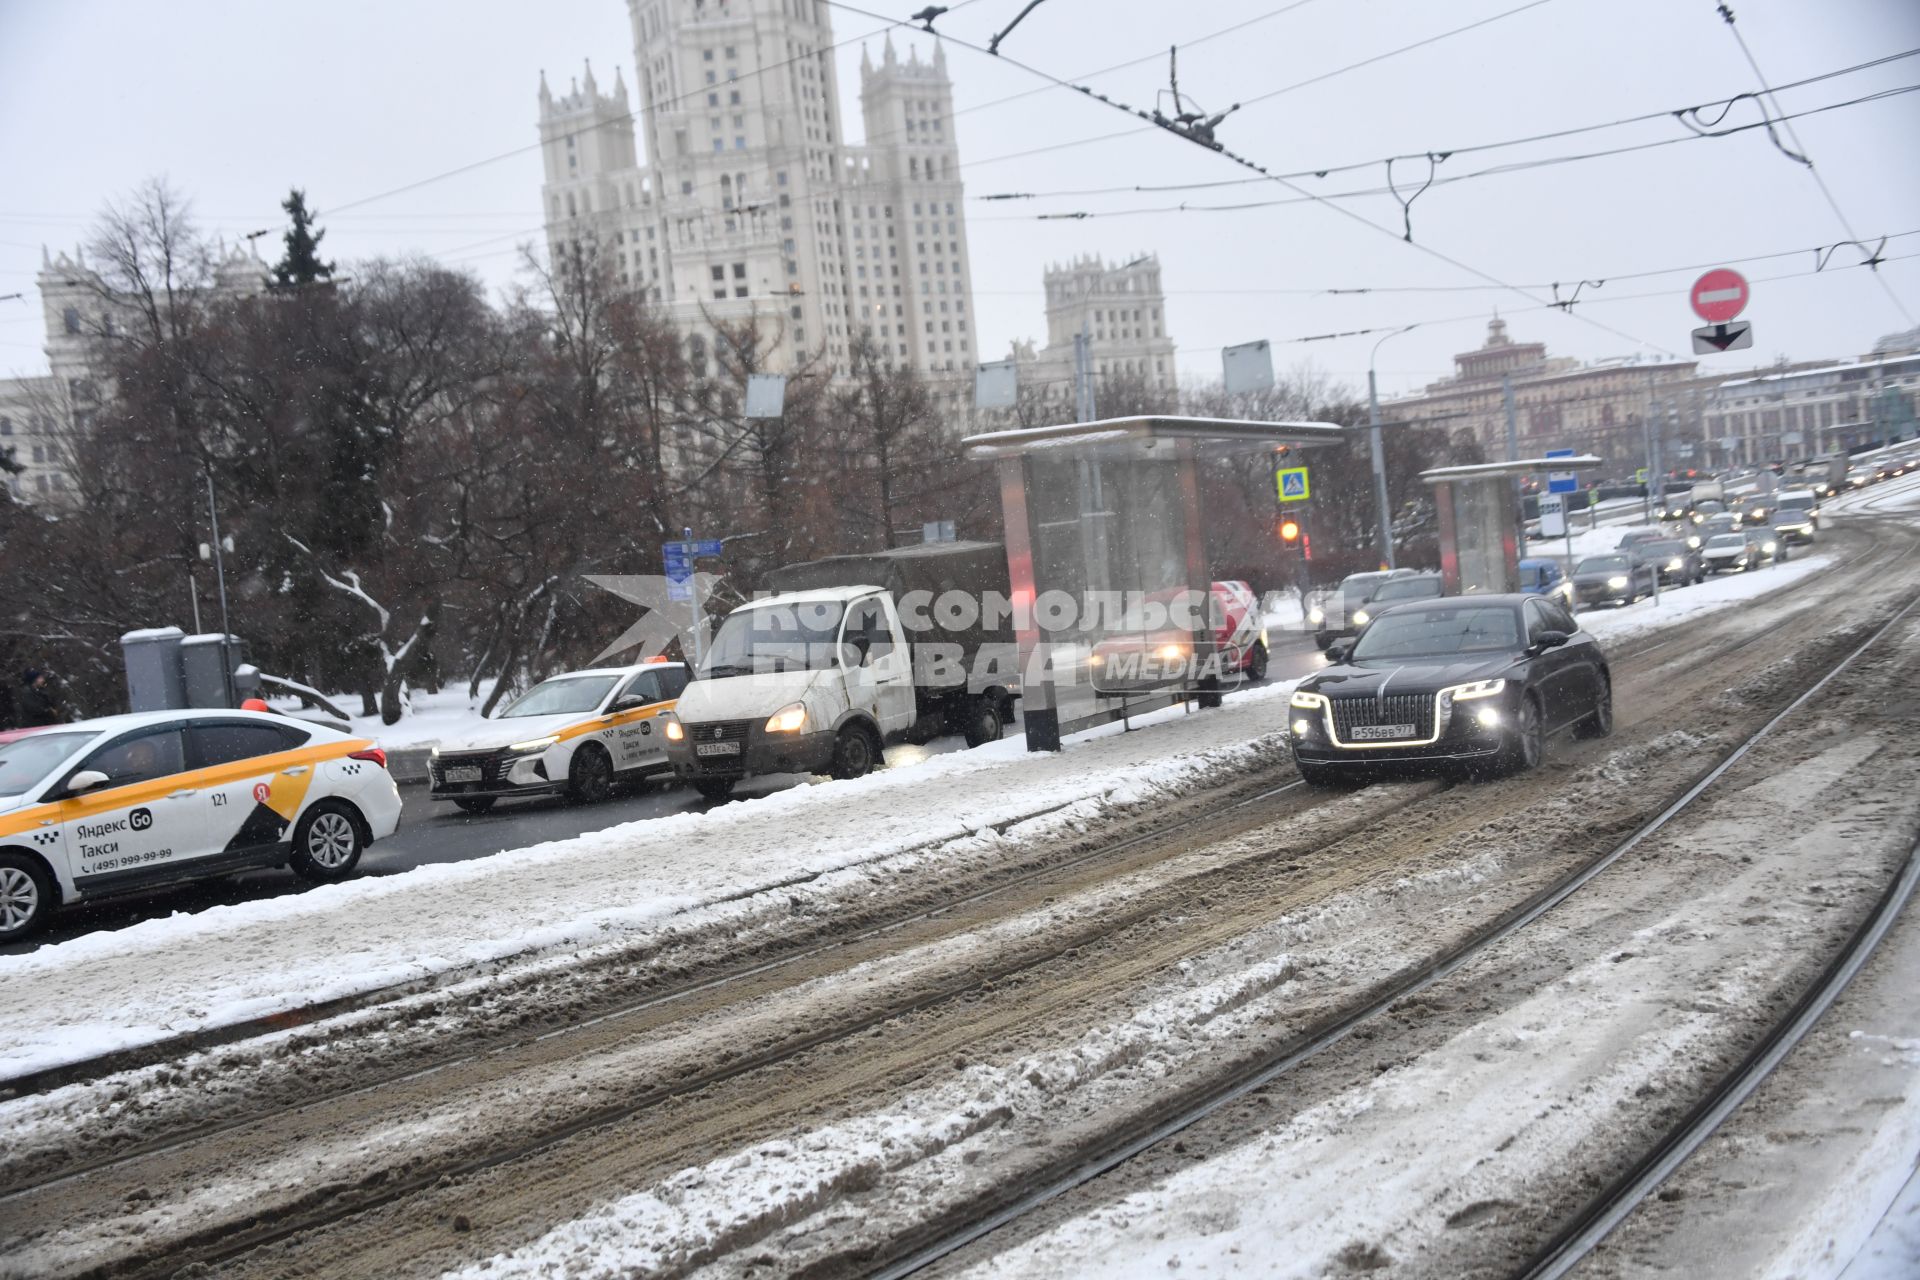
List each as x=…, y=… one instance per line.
x=1144, y=662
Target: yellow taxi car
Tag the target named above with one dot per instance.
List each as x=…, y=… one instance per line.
x=127, y=804
x=575, y=734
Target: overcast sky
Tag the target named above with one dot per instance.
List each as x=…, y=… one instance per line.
x=235, y=102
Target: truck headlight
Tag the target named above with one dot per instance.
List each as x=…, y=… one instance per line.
x=1618, y=582
x=535, y=744
x=1316, y=615
x=791, y=718
x=676, y=732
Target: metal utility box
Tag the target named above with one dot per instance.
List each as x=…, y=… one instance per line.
x=152, y=660
x=207, y=666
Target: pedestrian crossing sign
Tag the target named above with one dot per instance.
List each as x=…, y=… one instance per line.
x=1293, y=484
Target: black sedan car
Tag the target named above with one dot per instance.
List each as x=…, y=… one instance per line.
x=1477, y=682
x=1619, y=578
x=1675, y=561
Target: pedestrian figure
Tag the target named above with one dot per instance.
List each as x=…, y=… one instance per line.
x=35, y=703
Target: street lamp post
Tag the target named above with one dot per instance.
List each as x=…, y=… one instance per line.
x=1384, y=516
x=220, y=575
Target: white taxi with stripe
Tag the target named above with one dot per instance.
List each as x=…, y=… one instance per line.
x=575, y=733
x=126, y=804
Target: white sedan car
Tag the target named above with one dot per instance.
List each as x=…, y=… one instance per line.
x=126, y=804
x=572, y=734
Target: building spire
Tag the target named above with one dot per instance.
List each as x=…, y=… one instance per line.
x=592, y=89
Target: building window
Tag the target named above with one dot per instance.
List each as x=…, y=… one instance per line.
x=719, y=274
x=739, y=271
x=739, y=291
x=71, y=319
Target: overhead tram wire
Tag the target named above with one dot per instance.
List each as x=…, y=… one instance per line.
x=1321, y=171
x=1342, y=210
x=1726, y=13
x=1609, y=277
x=1494, y=171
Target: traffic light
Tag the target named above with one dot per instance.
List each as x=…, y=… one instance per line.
x=1290, y=532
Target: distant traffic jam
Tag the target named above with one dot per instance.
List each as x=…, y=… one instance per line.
x=1479, y=683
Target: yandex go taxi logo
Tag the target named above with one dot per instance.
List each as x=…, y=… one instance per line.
x=140, y=819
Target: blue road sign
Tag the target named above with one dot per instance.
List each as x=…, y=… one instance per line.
x=708, y=547
x=1562, y=481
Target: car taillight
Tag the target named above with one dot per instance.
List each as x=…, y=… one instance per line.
x=375, y=754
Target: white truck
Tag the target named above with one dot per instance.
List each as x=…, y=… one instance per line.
x=849, y=654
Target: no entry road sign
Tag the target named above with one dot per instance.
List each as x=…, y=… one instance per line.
x=1719, y=295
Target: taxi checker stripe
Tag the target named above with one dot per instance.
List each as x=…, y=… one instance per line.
x=137, y=793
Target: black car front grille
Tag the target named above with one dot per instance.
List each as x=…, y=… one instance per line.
x=1365, y=710
x=493, y=767
x=719, y=731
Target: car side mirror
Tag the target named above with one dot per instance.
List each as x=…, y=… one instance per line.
x=627, y=702
x=1550, y=640
x=87, y=780
x=1339, y=650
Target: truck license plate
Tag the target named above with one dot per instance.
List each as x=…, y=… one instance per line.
x=1381, y=732
x=464, y=773
x=716, y=748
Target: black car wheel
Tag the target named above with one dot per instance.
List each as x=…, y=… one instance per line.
x=328, y=843
x=855, y=754
x=1257, y=663
x=985, y=723
x=590, y=775
x=1529, y=738
x=26, y=896
x=474, y=804
x=1599, y=723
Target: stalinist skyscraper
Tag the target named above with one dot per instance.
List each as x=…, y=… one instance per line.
x=741, y=197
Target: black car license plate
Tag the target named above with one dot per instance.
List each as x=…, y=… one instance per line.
x=1381, y=732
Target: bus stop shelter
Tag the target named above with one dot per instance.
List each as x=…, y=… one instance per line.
x=1479, y=511
x=1107, y=559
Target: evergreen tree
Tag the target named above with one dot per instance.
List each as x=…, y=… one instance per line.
x=301, y=264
